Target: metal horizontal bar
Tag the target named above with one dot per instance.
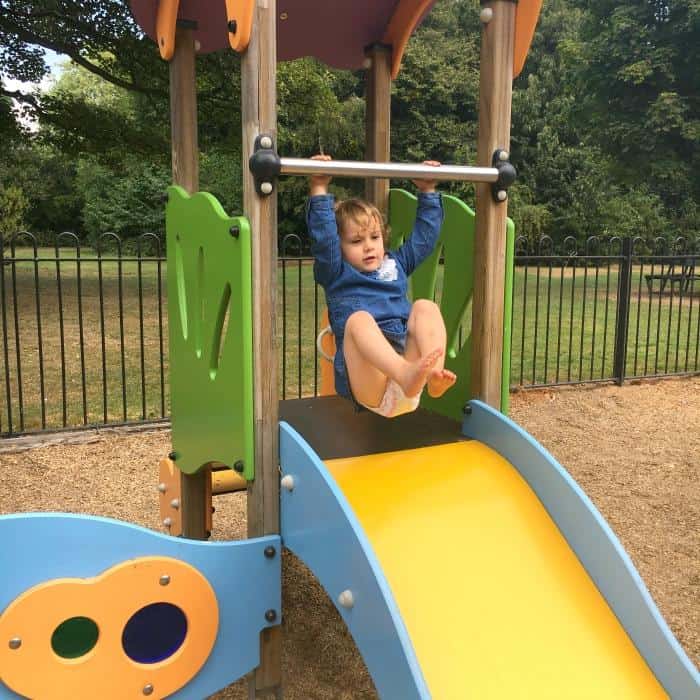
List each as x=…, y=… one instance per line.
x=408, y=171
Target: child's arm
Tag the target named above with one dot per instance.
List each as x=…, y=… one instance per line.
x=320, y=221
x=426, y=229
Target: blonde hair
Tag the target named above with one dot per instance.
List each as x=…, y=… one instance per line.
x=359, y=211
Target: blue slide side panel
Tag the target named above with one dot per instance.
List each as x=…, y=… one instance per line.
x=35, y=548
x=321, y=529
x=595, y=544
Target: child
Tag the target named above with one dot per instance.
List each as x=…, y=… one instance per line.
x=387, y=350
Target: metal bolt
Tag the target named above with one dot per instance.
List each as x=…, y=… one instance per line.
x=238, y=466
x=266, y=187
x=271, y=615
x=486, y=15
x=270, y=552
x=148, y=689
x=168, y=522
x=232, y=26
x=175, y=503
x=346, y=599
x=162, y=487
x=503, y=155
x=197, y=45
x=467, y=410
x=15, y=643
x=235, y=231
x=283, y=16
x=501, y=195
x=287, y=482
x=265, y=142
x=172, y=456
x=164, y=580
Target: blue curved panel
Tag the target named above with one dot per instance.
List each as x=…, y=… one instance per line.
x=321, y=529
x=39, y=547
x=595, y=544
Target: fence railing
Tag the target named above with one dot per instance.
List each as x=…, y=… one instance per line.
x=85, y=330
x=618, y=309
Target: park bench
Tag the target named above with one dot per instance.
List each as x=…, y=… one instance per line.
x=679, y=271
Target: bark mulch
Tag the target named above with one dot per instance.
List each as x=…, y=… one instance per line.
x=635, y=450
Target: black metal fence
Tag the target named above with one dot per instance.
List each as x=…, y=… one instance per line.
x=85, y=332
x=618, y=309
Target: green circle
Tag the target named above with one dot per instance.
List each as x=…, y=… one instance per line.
x=74, y=637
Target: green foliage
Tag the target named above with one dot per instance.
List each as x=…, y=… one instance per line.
x=13, y=205
x=605, y=119
x=128, y=205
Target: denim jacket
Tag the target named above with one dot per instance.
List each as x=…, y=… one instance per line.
x=383, y=292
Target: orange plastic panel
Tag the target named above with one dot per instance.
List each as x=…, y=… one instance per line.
x=166, y=21
x=407, y=15
x=33, y=670
x=328, y=346
x=526, y=16
x=240, y=12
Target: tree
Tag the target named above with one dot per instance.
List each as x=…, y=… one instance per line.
x=13, y=205
x=644, y=95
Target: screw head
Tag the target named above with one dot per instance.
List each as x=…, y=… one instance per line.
x=346, y=599
x=235, y=231
x=266, y=187
x=148, y=689
x=486, y=15
x=232, y=26
x=287, y=482
x=265, y=142
x=164, y=580
x=162, y=488
x=238, y=466
x=467, y=410
x=503, y=155
x=270, y=552
x=168, y=522
x=15, y=643
x=501, y=195
x=172, y=456
x=175, y=503
x=271, y=615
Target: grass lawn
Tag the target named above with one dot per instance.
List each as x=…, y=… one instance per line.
x=108, y=368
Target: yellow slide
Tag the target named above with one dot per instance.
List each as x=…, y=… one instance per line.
x=496, y=603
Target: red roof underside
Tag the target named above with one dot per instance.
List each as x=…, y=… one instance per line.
x=335, y=32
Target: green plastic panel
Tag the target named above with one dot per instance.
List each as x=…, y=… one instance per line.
x=210, y=333
x=456, y=245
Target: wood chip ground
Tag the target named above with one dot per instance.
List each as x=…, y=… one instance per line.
x=635, y=450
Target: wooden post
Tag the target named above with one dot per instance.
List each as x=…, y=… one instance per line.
x=378, y=121
x=496, y=85
x=183, y=112
x=185, y=165
x=259, y=116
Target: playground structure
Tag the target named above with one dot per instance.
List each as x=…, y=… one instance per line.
x=540, y=600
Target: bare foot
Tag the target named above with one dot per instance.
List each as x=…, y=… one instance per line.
x=416, y=373
x=439, y=381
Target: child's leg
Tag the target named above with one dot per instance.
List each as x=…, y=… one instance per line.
x=370, y=360
x=426, y=329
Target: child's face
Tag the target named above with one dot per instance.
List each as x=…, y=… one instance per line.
x=362, y=244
